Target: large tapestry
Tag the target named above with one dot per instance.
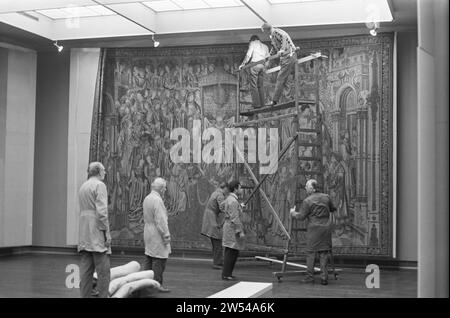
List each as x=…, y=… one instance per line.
x=144, y=94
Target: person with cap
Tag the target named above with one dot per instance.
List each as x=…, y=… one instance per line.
x=256, y=52
x=283, y=46
x=233, y=230
x=316, y=208
x=213, y=221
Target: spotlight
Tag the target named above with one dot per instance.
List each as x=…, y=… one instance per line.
x=155, y=43
x=373, y=27
x=60, y=47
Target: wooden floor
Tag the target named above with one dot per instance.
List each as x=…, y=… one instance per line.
x=43, y=275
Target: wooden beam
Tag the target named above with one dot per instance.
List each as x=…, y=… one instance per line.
x=281, y=262
x=300, y=61
x=266, y=109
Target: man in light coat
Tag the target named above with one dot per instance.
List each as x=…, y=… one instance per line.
x=233, y=230
x=94, y=239
x=156, y=232
x=213, y=221
x=256, y=52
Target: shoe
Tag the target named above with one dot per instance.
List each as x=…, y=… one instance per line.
x=217, y=267
x=163, y=290
x=308, y=280
x=228, y=278
x=273, y=103
x=94, y=292
x=324, y=281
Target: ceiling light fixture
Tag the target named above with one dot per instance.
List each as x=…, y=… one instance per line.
x=373, y=26
x=155, y=43
x=60, y=47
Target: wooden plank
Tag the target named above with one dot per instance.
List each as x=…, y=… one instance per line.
x=281, y=262
x=316, y=269
x=300, y=61
x=270, y=108
x=244, y=290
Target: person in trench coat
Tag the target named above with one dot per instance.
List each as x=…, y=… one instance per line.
x=156, y=231
x=233, y=230
x=213, y=222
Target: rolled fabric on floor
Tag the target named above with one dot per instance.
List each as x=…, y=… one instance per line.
x=123, y=270
x=115, y=284
x=126, y=290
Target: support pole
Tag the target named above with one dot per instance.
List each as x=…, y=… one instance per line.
x=283, y=151
x=277, y=218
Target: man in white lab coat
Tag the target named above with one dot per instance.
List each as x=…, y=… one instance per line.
x=156, y=232
x=94, y=238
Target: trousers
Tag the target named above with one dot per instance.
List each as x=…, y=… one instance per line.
x=323, y=259
x=217, y=251
x=286, y=67
x=229, y=261
x=94, y=262
x=157, y=265
x=257, y=85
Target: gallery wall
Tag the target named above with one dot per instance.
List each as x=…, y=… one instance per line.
x=50, y=165
x=17, y=128
x=407, y=143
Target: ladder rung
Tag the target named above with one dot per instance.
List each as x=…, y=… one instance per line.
x=266, y=109
x=261, y=120
x=245, y=124
x=244, y=90
x=310, y=158
x=315, y=172
x=309, y=130
x=246, y=103
x=310, y=144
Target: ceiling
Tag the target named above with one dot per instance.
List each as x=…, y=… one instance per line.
x=90, y=23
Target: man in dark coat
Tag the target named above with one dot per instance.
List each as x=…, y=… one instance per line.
x=213, y=221
x=316, y=208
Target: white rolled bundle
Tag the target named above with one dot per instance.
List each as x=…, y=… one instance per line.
x=123, y=270
x=115, y=284
x=128, y=288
